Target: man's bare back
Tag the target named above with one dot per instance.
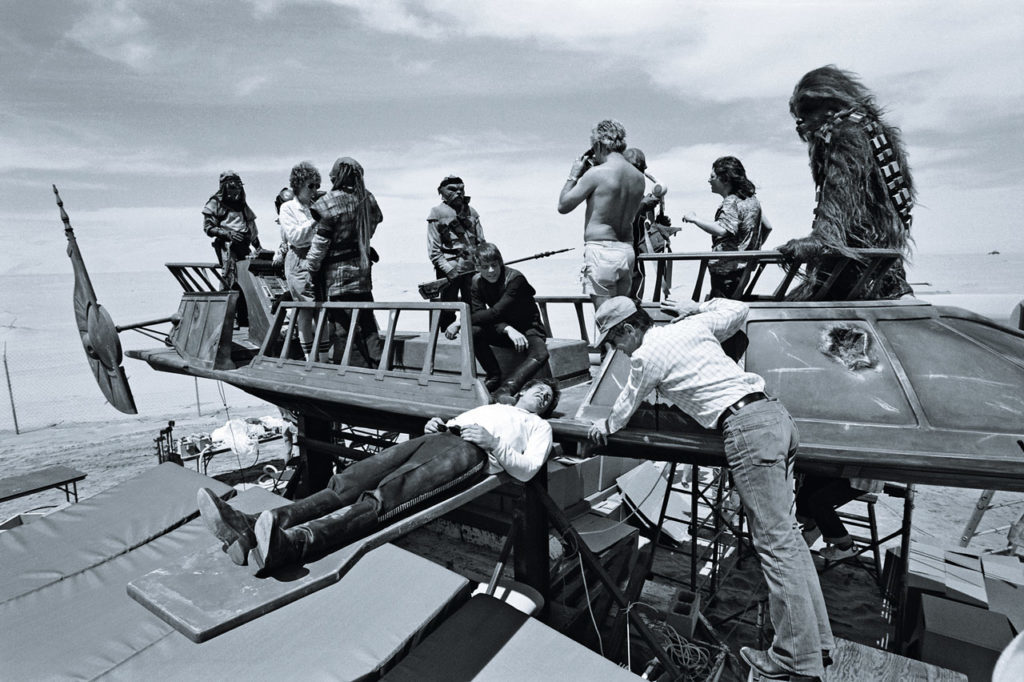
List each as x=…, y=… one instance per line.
x=613, y=190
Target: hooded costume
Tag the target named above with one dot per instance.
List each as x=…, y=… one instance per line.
x=347, y=218
x=232, y=224
x=864, y=189
x=453, y=234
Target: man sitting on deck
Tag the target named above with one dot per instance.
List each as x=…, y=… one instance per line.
x=503, y=312
x=379, y=489
x=685, y=363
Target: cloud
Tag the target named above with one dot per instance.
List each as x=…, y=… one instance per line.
x=114, y=31
x=722, y=51
x=249, y=85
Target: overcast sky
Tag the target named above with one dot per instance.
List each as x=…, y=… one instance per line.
x=133, y=108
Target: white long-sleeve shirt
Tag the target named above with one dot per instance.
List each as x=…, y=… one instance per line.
x=524, y=439
x=685, y=363
x=297, y=224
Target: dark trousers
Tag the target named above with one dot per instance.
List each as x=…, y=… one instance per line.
x=409, y=474
x=818, y=498
x=457, y=290
x=367, y=345
x=724, y=285
x=485, y=336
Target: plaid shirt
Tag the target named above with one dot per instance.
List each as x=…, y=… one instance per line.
x=685, y=363
x=336, y=242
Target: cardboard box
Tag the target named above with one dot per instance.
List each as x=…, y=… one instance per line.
x=564, y=484
x=962, y=637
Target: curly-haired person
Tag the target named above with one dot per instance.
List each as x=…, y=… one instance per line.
x=298, y=228
x=612, y=188
x=738, y=226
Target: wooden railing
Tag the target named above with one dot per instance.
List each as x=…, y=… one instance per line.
x=198, y=277
x=578, y=302
x=875, y=262
x=283, y=348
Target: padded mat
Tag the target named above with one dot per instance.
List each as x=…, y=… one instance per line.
x=204, y=595
x=489, y=640
x=98, y=528
x=346, y=631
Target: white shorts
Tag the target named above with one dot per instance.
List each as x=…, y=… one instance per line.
x=607, y=268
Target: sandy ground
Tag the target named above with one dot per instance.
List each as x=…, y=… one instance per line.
x=111, y=452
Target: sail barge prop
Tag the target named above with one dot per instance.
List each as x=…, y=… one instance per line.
x=892, y=390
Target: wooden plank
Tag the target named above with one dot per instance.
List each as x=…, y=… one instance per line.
x=855, y=662
x=37, y=481
x=205, y=594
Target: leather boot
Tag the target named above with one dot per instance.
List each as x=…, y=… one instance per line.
x=520, y=375
x=318, y=504
x=232, y=527
x=277, y=547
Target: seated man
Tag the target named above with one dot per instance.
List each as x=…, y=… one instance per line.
x=377, y=490
x=503, y=313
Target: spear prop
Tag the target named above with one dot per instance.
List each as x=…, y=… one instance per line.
x=431, y=291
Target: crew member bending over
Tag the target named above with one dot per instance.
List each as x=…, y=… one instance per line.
x=503, y=313
x=685, y=363
x=380, y=489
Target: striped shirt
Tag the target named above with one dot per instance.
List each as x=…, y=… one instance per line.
x=685, y=363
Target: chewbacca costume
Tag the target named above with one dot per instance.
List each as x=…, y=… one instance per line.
x=864, y=190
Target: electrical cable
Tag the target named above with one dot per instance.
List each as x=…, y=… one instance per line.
x=634, y=512
x=590, y=609
x=227, y=412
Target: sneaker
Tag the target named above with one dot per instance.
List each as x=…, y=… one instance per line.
x=837, y=553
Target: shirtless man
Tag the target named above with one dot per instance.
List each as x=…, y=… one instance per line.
x=613, y=188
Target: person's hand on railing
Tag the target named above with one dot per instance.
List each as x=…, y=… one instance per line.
x=802, y=249
x=453, y=330
x=598, y=432
x=679, y=309
x=516, y=337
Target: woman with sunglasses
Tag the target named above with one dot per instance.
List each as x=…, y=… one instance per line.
x=298, y=228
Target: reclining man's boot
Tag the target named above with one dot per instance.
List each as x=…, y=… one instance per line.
x=506, y=393
x=314, y=506
x=236, y=529
x=277, y=547
x=232, y=527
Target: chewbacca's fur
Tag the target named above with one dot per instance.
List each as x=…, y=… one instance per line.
x=854, y=208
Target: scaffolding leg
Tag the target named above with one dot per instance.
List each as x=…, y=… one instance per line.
x=983, y=505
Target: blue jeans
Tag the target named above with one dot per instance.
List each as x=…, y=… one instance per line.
x=760, y=442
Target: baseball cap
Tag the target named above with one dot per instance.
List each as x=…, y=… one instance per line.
x=611, y=312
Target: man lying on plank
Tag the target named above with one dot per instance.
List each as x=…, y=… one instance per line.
x=377, y=490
